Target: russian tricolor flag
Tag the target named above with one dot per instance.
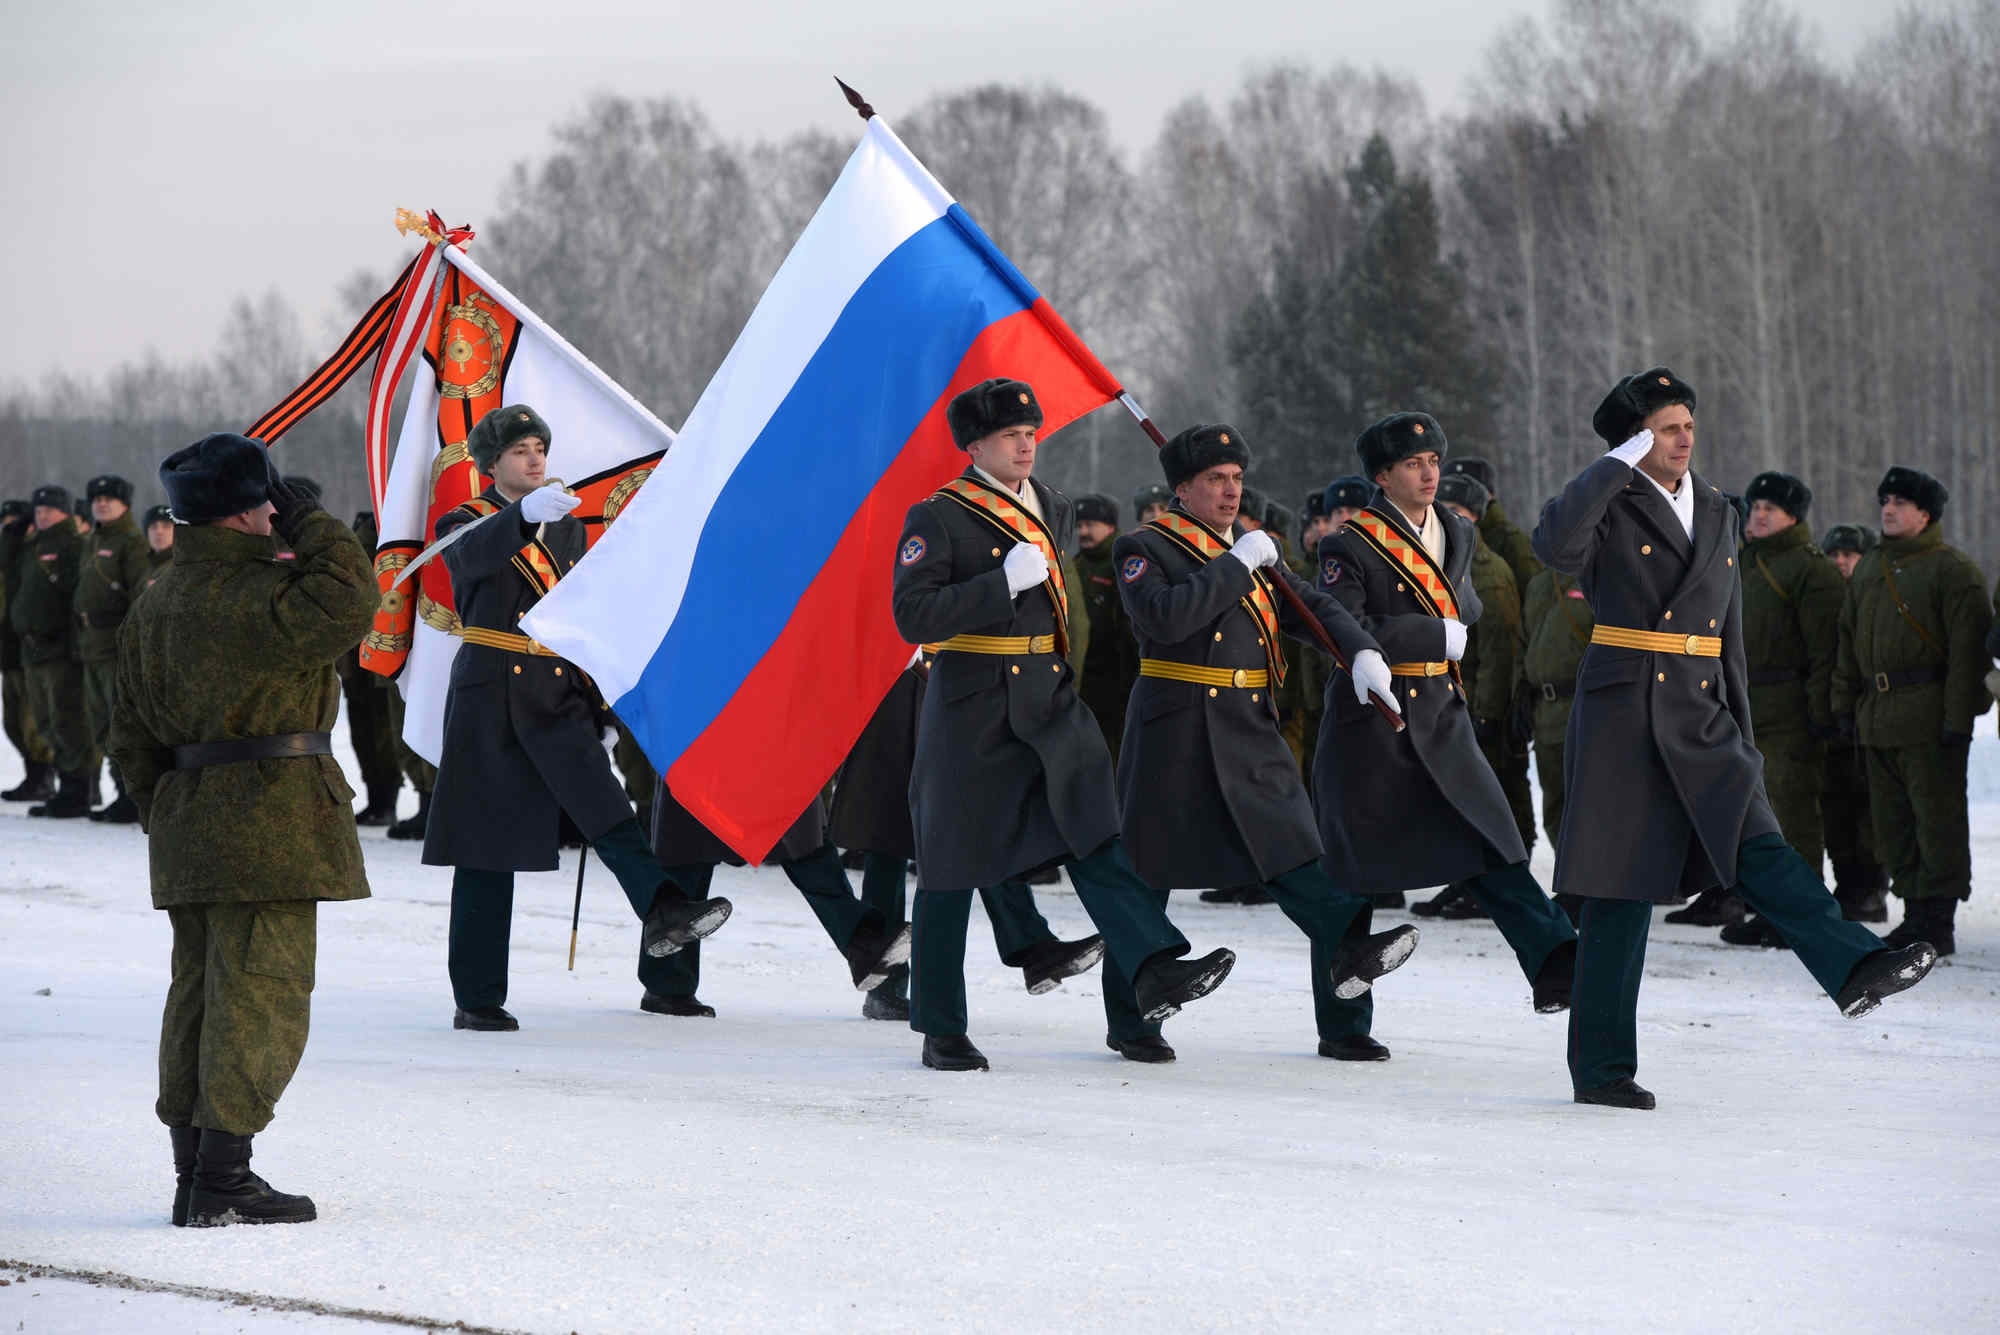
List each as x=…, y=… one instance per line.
x=737, y=616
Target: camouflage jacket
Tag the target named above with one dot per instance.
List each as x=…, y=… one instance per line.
x=231, y=644
x=41, y=608
x=1557, y=622
x=113, y=572
x=1946, y=596
x=1791, y=630
x=1492, y=662
x=1506, y=538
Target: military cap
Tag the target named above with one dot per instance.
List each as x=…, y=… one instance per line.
x=1252, y=505
x=1150, y=495
x=1350, y=492
x=108, y=484
x=1480, y=470
x=1915, y=486
x=80, y=508
x=1398, y=437
x=305, y=484
x=221, y=474
x=1634, y=399
x=492, y=434
x=1782, y=490
x=1097, y=506
x=1848, y=538
x=1313, y=507
x=1279, y=517
x=158, y=514
x=1466, y=490
x=1200, y=448
x=15, y=510
x=51, y=495
x=991, y=406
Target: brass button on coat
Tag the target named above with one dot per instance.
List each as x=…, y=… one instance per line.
x=1670, y=616
x=1211, y=691
x=1663, y=676
x=1218, y=635
x=1646, y=550
x=1704, y=686
x=517, y=669
x=558, y=672
x=1016, y=669
x=996, y=551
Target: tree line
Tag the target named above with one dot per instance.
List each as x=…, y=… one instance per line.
x=1809, y=244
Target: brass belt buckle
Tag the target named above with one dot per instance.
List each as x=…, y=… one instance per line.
x=1882, y=681
x=1694, y=646
x=1238, y=677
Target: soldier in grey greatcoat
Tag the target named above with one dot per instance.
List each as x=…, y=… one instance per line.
x=1665, y=787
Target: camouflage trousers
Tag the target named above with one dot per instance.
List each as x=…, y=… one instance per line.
x=55, y=697
x=100, y=699
x=1549, y=771
x=1510, y=766
x=1923, y=830
x=19, y=721
x=420, y=772
x=237, y=1011
x=1794, y=777
x=368, y=724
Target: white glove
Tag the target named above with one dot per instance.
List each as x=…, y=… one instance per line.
x=1025, y=566
x=1635, y=449
x=1255, y=549
x=547, y=504
x=1454, y=639
x=1370, y=672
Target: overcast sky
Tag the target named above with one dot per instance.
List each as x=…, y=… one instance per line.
x=162, y=160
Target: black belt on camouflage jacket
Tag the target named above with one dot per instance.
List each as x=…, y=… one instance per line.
x=100, y=620
x=285, y=744
x=1889, y=681
x=1552, y=691
x=1776, y=676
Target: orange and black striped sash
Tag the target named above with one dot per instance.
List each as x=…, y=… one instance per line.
x=1202, y=542
x=1432, y=588
x=1000, y=511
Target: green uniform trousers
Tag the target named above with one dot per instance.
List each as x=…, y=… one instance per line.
x=420, y=772
x=55, y=695
x=818, y=876
x=1128, y=913
x=1549, y=769
x=369, y=725
x=482, y=912
x=19, y=718
x=100, y=700
x=1794, y=776
x=1510, y=766
x=1611, y=956
x=238, y=1008
x=1850, y=824
x=1923, y=831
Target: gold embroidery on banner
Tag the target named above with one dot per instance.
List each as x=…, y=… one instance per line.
x=448, y=458
x=624, y=492
x=436, y=617
x=471, y=338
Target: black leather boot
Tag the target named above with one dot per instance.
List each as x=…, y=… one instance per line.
x=873, y=951
x=1152, y=1050
x=1052, y=961
x=381, y=807
x=1164, y=984
x=1714, y=907
x=1884, y=974
x=1353, y=1048
x=412, y=827
x=890, y=998
x=676, y=920
x=225, y=1191
x=485, y=1019
x=38, y=785
x=690, y=1006
x=1624, y=1092
x=1555, y=980
x=952, y=1052
x=72, y=800
x=1361, y=960
x=1929, y=920
x=185, y=1139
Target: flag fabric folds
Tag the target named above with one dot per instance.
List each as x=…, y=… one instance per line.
x=738, y=618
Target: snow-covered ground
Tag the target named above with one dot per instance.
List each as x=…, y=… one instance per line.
x=790, y=1165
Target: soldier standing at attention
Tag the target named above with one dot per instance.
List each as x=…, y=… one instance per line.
x=367, y=695
x=112, y=573
x=1860, y=884
x=159, y=527
x=1791, y=637
x=1011, y=772
x=1502, y=534
x=1111, y=663
x=1665, y=788
x=1910, y=683
x=43, y=614
x=521, y=729
x=1399, y=811
x=226, y=695
x=38, y=784
x=1210, y=793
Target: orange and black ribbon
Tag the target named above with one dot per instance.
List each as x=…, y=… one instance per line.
x=1204, y=544
x=997, y=509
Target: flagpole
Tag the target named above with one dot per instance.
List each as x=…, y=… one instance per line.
x=1153, y=433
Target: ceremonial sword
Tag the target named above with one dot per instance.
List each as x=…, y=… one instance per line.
x=437, y=548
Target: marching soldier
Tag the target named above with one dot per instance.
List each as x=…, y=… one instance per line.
x=43, y=614
x=159, y=526
x=1150, y=502
x=1665, y=795
x=367, y=694
x=1210, y=793
x=1502, y=534
x=223, y=739
x=521, y=728
x=1402, y=568
x=1860, y=884
x=1910, y=684
x=17, y=532
x=1011, y=773
x=1791, y=636
x=1111, y=663
x=111, y=574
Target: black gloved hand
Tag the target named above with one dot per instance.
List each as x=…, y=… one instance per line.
x=290, y=504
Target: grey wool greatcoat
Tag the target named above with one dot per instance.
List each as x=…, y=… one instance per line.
x=871, y=802
x=1210, y=792
x=520, y=730
x=1011, y=771
x=1402, y=811
x=1662, y=781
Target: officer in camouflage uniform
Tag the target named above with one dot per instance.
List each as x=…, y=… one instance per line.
x=1862, y=887
x=1791, y=635
x=43, y=614
x=367, y=695
x=226, y=695
x=17, y=531
x=1111, y=662
x=113, y=572
x=1910, y=684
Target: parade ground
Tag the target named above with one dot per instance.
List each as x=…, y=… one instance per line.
x=789, y=1165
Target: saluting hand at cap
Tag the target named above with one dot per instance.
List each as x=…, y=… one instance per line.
x=1025, y=566
x=1634, y=449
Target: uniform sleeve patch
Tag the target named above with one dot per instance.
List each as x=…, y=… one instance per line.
x=1134, y=567
x=1574, y=593
x=1329, y=570
x=913, y=551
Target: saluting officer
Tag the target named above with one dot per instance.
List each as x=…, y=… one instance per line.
x=521, y=728
x=1860, y=884
x=1399, y=811
x=1011, y=772
x=1910, y=684
x=1210, y=793
x=1666, y=794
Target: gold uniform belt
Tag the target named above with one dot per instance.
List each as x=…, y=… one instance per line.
x=1418, y=669
x=995, y=644
x=1247, y=678
x=500, y=639
x=1658, y=642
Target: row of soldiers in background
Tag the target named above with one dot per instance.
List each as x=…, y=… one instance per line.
x=1869, y=661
